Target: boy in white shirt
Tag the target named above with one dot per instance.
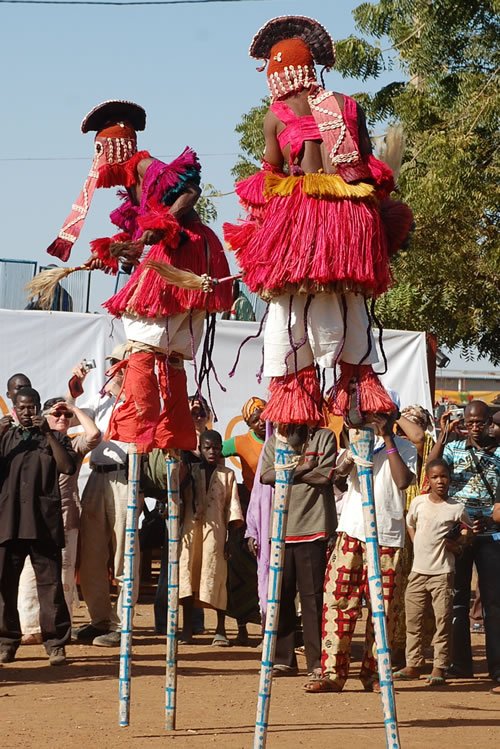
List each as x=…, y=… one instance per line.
x=434, y=525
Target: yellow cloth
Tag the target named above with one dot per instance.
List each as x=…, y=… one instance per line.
x=317, y=185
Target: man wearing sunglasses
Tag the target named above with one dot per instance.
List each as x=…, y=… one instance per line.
x=475, y=475
x=32, y=457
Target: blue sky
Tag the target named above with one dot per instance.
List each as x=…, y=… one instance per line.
x=186, y=64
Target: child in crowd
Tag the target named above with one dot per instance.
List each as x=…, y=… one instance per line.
x=211, y=504
x=434, y=525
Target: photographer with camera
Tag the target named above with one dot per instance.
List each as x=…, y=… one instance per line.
x=475, y=474
x=104, y=510
x=31, y=458
x=60, y=416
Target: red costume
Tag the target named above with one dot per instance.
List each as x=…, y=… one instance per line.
x=316, y=244
x=163, y=323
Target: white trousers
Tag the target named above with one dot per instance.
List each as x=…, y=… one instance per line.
x=102, y=526
x=169, y=334
x=327, y=332
x=27, y=597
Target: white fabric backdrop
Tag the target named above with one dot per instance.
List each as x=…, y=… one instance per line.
x=46, y=345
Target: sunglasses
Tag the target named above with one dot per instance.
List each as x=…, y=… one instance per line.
x=198, y=413
x=59, y=414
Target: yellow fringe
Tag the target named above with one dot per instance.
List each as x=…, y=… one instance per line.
x=317, y=186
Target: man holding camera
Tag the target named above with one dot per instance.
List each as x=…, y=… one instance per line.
x=475, y=475
x=31, y=524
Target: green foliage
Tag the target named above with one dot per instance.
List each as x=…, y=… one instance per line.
x=205, y=207
x=251, y=141
x=448, y=104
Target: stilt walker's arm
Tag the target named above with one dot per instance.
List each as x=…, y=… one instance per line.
x=172, y=462
x=128, y=586
x=285, y=467
x=361, y=442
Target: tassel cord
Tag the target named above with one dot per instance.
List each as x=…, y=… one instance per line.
x=249, y=338
x=380, y=328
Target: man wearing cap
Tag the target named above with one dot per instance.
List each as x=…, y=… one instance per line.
x=102, y=522
x=318, y=236
x=163, y=322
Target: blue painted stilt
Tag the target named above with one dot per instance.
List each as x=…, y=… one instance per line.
x=361, y=443
x=127, y=612
x=286, y=461
x=172, y=462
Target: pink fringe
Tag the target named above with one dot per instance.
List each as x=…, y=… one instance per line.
x=397, y=218
x=160, y=177
x=124, y=174
x=100, y=248
x=322, y=241
x=373, y=398
x=238, y=235
x=60, y=248
x=381, y=174
x=148, y=295
x=125, y=216
x=159, y=217
x=294, y=399
x=251, y=190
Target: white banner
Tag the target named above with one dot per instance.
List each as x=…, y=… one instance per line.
x=45, y=346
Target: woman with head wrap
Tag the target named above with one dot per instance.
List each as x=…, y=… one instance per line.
x=242, y=571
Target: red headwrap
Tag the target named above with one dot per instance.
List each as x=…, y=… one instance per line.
x=291, y=68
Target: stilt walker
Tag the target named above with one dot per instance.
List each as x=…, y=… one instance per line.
x=175, y=261
x=361, y=441
x=316, y=244
x=286, y=460
x=173, y=506
x=124, y=681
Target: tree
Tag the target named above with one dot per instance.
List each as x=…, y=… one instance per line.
x=447, y=282
x=205, y=207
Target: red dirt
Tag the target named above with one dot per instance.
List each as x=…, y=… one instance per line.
x=77, y=704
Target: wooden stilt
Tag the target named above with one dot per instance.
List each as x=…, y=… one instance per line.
x=285, y=468
x=361, y=443
x=172, y=462
x=128, y=587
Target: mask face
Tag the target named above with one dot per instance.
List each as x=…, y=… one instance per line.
x=113, y=150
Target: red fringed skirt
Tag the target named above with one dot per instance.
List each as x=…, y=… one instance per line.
x=312, y=232
x=146, y=294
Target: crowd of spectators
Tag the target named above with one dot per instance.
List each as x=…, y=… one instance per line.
x=438, y=516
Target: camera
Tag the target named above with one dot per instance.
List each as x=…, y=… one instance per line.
x=454, y=532
x=88, y=364
x=456, y=413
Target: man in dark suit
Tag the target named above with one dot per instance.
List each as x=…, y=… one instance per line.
x=31, y=459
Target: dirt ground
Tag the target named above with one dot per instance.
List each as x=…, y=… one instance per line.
x=77, y=704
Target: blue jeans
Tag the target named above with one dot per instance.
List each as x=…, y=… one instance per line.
x=485, y=553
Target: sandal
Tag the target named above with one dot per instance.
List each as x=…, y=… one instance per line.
x=371, y=686
x=221, y=641
x=279, y=670
x=435, y=681
x=321, y=685
x=402, y=676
